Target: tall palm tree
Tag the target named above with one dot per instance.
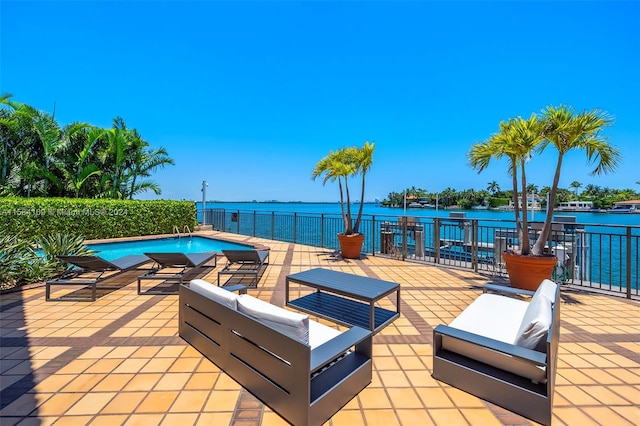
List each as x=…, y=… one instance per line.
x=567, y=130
x=363, y=161
x=335, y=168
x=145, y=161
x=50, y=137
x=340, y=166
x=575, y=185
x=517, y=140
x=493, y=187
x=79, y=165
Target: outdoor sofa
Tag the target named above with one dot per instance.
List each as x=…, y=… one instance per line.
x=303, y=370
x=504, y=349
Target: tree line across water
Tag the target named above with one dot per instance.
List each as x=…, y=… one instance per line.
x=39, y=158
x=493, y=196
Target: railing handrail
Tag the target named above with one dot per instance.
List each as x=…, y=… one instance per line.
x=594, y=255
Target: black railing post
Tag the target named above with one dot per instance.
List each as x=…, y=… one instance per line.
x=373, y=235
x=474, y=244
x=255, y=217
x=404, y=237
x=273, y=225
x=295, y=227
x=322, y=230
x=436, y=240
x=628, y=262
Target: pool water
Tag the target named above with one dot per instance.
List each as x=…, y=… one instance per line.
x=111, y=251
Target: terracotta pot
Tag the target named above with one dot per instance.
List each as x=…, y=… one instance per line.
x=527, y=272
x=351, y=245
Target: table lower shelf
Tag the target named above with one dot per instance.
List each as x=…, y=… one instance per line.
x=344, y=311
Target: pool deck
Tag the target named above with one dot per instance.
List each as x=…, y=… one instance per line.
x=119, y=360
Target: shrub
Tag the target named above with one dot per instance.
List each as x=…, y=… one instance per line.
x=94, y=218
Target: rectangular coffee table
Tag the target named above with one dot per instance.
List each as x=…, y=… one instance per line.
x=345, y=298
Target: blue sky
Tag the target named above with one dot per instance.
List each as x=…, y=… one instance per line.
x=250, y=95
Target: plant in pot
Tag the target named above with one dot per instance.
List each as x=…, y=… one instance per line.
x=518, y=140
x=341, y=166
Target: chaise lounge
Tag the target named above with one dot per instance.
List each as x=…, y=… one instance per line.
x=245, y=266
x=95, y=265
x=172, y=268
x=303, y=370
x=503, y=349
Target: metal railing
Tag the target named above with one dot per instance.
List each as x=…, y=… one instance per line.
x=603, y=257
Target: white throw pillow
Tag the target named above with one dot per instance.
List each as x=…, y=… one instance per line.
x=547, y=288
x=215, y=293
x=289, y=323
x=535, y=324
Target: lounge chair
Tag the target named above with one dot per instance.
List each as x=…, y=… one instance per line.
x=95, y=265
x=177, y=265
x=245, y=264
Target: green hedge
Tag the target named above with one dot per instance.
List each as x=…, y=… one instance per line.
x=94, y=218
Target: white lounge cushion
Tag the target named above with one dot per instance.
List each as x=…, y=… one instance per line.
x=289, y=323
x=499, y=318
x=215, y=293
x=320, y=333
x=547, y=288
x=533, y=330
x=494, y=316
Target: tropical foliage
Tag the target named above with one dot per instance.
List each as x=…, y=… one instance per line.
x=341, y=165
x=39, y=158
x=519, y=139
x=20, y=263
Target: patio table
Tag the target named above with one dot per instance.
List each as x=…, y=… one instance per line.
x=345, y=298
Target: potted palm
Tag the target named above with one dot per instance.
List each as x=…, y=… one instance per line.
x=518, y=140
x=340, y=166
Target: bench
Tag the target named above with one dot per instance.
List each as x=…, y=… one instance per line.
x=504, y=349
x=303, y=370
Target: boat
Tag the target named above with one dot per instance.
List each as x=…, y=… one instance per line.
x=414, y=206
x=632, y=206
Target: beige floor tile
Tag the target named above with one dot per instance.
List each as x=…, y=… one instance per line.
x=381, y=418
x=124, y=403
x=91, y=403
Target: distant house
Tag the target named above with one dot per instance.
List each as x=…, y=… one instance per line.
x=534, y=204
x=575, y=206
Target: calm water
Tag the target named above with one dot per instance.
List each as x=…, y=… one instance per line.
x=378, y=210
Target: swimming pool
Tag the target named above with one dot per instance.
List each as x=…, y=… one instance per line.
x=111, y=251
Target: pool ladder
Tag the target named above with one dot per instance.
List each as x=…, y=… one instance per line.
x=185, y=231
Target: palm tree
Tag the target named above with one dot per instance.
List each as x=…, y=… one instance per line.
x=79, y=166
x=516, y=140
x=493, y=187
x=340, y=165
x=50, y=137
x=145, y=161
x=567, y=131
x=575, y=185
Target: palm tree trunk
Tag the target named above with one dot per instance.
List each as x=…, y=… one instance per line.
x=538, y=246
x=525, y=244
x=357, y=225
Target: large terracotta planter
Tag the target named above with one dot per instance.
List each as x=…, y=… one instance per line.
x=351, y=245
x=527, y=272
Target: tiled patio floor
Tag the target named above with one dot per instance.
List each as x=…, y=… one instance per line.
x=119, y=360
